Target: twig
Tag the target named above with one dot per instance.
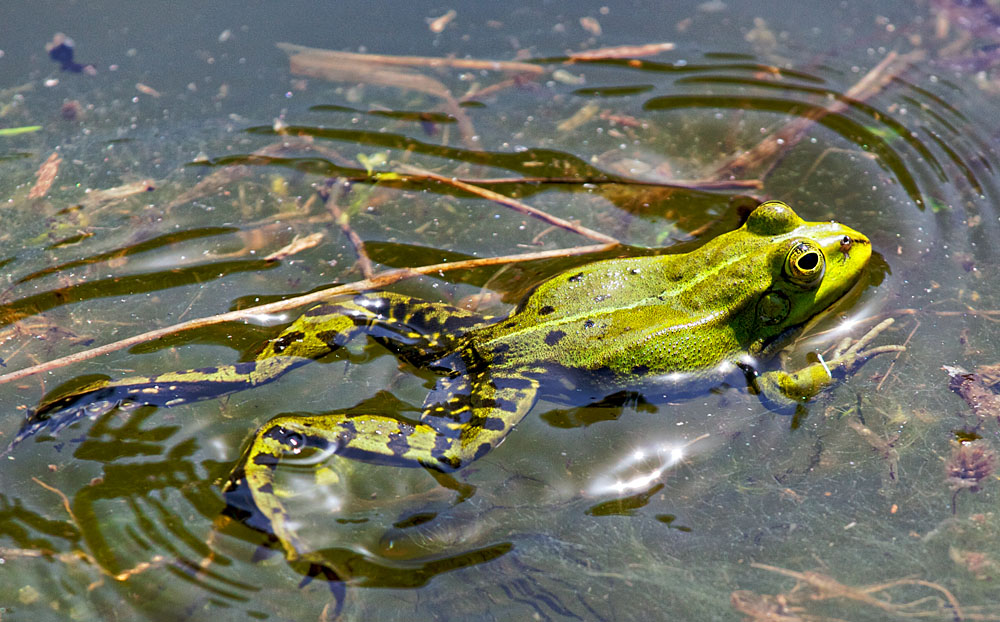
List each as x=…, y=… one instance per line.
x=792, y=132
x=381, y=279
x=892, y=364
x=97, y=197
x=828, y=587
x=684, y=184
x=373, y=69
x=621, y=51
x=476, y=92
x=343, y=221
x=414, y=61
x=62, y=495
x=234, y=172
x=515, y=205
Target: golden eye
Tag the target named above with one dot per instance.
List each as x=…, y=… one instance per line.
x=805, y=263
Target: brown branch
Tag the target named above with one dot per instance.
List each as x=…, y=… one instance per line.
x=621, y=51
x=381, y=279
x=515, y=205
x=873, y=82
x=344, y=222
x=414, y=61
x=378, y=70
x=685, y=184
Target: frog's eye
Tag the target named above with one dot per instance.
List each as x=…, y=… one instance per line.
x=805, y=264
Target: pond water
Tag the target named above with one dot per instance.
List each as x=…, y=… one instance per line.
x=190, y=150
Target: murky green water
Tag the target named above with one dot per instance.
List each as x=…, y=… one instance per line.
x=185, y=95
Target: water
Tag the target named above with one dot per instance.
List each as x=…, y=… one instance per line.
x=639, y=510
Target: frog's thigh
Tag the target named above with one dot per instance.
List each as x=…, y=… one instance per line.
x=370, y=438
x=495, y=404
x=410, y=326
x=498, y=399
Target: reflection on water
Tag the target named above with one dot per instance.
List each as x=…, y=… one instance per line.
x=640, y=469
x=237, y=145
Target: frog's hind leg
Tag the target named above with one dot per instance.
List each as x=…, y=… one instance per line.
x=461, y=424
x=418, y=331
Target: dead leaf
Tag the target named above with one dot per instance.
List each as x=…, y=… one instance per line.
x=974, y=390
x=438, y=24
x=297, y=245
x=46, y=175
x=591, y=25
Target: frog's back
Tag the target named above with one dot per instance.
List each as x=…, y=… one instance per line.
x=631, y=316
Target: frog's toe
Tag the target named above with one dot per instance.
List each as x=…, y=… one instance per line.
x=319, y=570
x=852, y=357
x=65, y=411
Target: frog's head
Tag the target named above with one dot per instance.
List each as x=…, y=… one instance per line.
x=812, y=264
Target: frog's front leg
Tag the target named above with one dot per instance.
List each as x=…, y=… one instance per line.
x=468, y=418
x=416, y=330
x=782, y=389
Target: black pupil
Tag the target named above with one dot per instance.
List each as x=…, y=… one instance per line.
x=808, y=262
x=845, y=241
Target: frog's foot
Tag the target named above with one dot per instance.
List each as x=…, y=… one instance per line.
x=336, y=584
x=92, y=402
x=847, y=357
x=781, y=389
x=170, y=389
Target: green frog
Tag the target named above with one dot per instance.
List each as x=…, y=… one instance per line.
x=665, y=324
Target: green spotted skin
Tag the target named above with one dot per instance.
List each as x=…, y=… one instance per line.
x=666, y=322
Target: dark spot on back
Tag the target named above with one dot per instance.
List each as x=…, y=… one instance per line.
x=441, y=445
x=546, y=310
x=455, y=322
x=512, y=382
x=501, y=348
x=553, y=337
x=400, y=310
x=418, y=320
x=495, y=424
x=398, y=444
x=482, y=451
x=286, y=340
x=265, y=460
x=588, y=323
x=507, y=406
x=575, y=277
x=332, y=337
x=347, y=432
x=640, y=370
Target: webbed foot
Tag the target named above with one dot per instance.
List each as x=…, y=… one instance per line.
x=782, y=390
x=91, y=402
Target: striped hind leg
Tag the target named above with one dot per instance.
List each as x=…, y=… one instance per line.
x=417, y=330
x=465, y=423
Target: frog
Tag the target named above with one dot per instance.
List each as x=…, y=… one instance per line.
x=671, y=323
